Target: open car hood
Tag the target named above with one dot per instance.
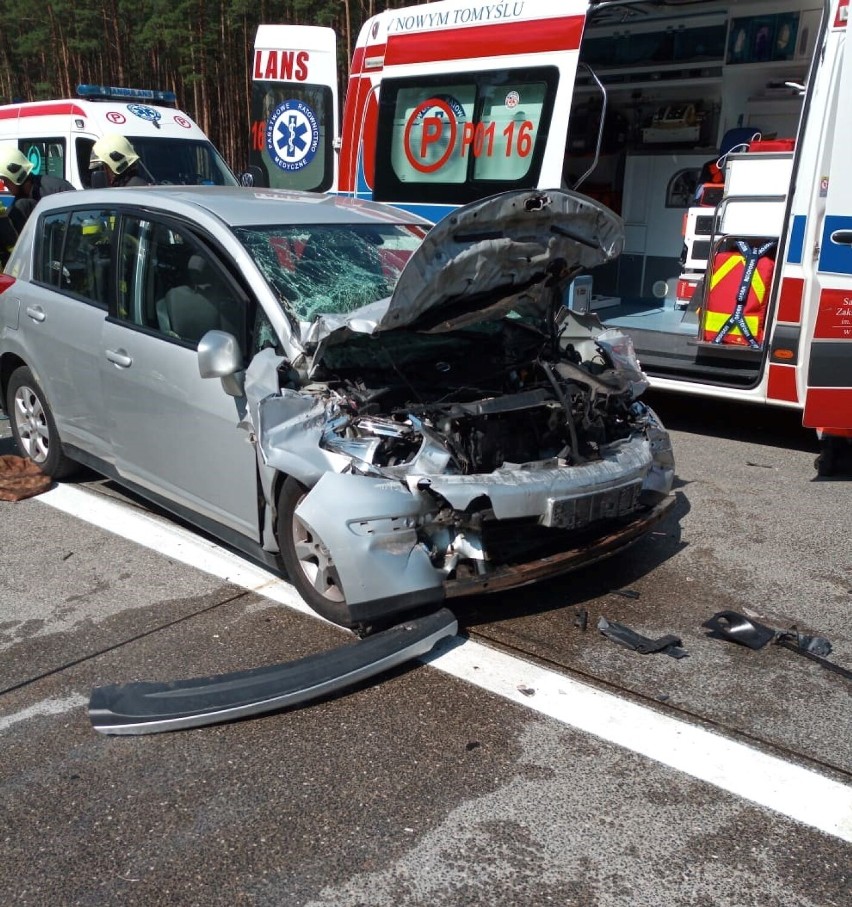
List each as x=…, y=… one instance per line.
x=485, y=258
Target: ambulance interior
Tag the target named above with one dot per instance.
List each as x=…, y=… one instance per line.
x=689, y=89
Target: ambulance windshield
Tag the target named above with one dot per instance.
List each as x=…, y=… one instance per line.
x=187, y=162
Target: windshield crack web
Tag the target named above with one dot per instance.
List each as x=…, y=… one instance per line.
x=330, y=269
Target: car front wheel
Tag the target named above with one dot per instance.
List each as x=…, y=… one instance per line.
x=33, y=426
x=307, y=561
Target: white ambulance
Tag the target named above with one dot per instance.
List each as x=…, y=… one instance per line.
x=57, y=136
x=629, y=102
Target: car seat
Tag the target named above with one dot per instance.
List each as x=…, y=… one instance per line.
x=187, y=311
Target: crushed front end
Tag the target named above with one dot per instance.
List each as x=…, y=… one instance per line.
x=481, y=459
x=471, y=433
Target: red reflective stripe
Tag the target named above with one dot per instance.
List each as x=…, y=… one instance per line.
x=828, y=407
x=354, y=113
x=370, y=55
x=507, y=39
x=782, y=383
x=357, y=61
x=42, y=110
x=790, y=300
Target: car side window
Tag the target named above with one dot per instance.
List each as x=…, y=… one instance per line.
x=170, y=283
x=76, y=253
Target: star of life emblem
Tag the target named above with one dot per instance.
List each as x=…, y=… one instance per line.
x=292, y=135
x=144, y=112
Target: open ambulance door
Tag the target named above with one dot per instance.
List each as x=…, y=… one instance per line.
x=828, y=398
x=294, y=108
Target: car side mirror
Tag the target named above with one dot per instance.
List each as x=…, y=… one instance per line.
x=220, y=356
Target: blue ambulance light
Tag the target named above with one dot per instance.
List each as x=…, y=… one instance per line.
x=113, y=93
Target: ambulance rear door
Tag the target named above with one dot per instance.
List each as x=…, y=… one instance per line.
x=294, y=107
x=828, y=400
x=473, y=100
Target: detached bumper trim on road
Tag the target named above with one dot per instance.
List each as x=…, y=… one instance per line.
x=149, y=708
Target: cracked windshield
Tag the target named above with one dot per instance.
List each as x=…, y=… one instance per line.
x=330, y=269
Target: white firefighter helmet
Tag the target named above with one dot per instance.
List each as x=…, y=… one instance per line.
x=15, y=166
x=115, y=151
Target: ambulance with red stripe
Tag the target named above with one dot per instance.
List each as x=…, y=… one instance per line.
x=57, y=136
x=737, y=285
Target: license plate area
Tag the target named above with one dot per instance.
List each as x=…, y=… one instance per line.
x=579, y=511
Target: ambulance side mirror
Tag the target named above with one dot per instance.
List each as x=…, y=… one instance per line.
x=253, y=176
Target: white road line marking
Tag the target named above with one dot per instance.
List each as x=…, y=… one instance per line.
x=779, y=785
x=46, y=707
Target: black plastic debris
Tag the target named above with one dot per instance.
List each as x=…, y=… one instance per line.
x=644, y=645
x=581, y=618
x=737, y=628
x=816, y=645
x=626, y=593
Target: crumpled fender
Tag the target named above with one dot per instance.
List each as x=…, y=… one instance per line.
x=368, y=525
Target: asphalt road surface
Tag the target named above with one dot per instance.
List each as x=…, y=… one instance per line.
x=528, y=761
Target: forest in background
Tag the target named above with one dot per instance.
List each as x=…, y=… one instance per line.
x=200, y=49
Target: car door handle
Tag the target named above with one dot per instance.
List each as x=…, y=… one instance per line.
x=36, y=312
x=119, y=357
x=842, y=237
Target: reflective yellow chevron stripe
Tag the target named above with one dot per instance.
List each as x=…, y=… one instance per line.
x=714, y=321
x=736, y=261
x=725, y=269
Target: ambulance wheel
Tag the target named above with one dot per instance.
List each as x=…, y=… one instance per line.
x=307, y=561
x=826, y=463
x=33, y=426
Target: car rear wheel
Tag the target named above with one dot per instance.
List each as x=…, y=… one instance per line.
x=33, y=426
x=307, y=561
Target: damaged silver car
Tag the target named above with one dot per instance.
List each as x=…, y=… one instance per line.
x=394, y=415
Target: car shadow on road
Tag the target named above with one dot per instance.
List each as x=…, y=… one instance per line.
x=753, y=423
x=8, y=447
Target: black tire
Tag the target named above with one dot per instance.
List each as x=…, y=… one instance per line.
x=826, y=463
x=306, y=560
x=33, y=427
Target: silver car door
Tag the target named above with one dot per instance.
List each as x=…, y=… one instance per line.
x=172, y=431
x=61, y=316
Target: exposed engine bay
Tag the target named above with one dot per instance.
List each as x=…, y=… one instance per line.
x=501, y=393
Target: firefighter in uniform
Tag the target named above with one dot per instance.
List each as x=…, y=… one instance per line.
x=26, y=187
x=120, y=163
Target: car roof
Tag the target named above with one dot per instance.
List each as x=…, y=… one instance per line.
x=238, y=205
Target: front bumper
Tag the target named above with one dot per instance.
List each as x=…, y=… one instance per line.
x=399, y=544
x=588, y=552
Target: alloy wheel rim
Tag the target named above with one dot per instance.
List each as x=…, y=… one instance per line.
x=31, y=424
x=316, y=562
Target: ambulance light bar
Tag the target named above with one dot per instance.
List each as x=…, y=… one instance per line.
x=112, y=93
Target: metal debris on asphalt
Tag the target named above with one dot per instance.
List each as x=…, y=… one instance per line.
x=740, y=629
x=644, y=645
